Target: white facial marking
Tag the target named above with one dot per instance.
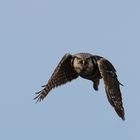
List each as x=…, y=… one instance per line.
x=81, y=65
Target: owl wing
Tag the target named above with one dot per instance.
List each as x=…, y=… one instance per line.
x=62, y=74
x=112, y=85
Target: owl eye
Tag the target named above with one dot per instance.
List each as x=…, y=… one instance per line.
x=85, y=62
x=81, y=61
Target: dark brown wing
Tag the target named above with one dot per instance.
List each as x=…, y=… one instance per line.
x=112, y=85
x=63, y=73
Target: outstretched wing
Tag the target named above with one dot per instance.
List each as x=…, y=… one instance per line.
x=112, y=85
x=63, y=73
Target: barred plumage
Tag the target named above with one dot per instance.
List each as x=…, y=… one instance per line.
x=63, y=73
x=91, y=67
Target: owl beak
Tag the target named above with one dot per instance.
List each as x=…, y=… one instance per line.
x=83, y=62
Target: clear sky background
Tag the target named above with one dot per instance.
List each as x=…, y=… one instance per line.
x=34, y=36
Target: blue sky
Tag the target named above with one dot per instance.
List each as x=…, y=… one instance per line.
x=34, y=36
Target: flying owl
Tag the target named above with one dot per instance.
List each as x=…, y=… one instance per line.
x=90, y=67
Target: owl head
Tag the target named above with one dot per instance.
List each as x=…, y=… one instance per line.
x=83, y=63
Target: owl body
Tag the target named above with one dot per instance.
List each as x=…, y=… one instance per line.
x=87, y=66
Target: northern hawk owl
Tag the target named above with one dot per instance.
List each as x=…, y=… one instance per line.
x=87, y=66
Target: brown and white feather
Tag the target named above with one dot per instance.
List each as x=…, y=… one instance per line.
x=112, y=85
x=62, y=74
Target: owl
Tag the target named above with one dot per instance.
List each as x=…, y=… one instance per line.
x=90, y=67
